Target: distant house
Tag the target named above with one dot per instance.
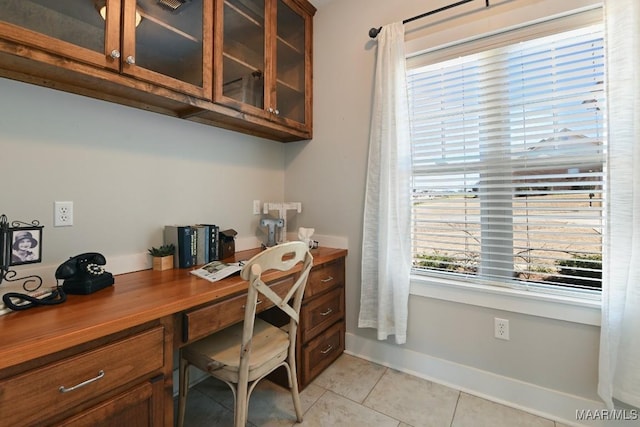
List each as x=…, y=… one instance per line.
x=557, y=162
x=560, y=160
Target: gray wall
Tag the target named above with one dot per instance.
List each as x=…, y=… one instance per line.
x=129, y=172
x=328, y=176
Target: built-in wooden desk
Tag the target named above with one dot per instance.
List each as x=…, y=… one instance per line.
x=121, y=341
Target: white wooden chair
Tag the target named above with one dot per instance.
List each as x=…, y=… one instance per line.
x=242, y=354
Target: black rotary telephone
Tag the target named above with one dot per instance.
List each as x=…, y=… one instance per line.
x=84, y=274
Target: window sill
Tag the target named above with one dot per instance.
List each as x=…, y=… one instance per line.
x=560, y=307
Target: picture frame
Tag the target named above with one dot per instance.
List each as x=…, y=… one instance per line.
x=5, y=248
x=25, y=245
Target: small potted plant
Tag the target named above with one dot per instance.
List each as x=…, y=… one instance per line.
x=163, y=257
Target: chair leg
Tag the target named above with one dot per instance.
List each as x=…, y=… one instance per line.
x=183, y=390
x=293, y=384
x=242, y=405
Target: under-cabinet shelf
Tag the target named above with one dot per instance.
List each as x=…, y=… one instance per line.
x=238, y=67
x=296, y=89
x=251, y=13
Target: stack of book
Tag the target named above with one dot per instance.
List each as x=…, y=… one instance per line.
x=195, y=244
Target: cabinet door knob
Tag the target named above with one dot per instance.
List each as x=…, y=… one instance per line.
x=270, y=110
x=115, y=54
x=277, y=112
x=131, y=60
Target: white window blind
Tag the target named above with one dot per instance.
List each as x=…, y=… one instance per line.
x=508, y=163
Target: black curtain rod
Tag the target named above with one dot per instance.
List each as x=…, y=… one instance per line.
x=373, y=33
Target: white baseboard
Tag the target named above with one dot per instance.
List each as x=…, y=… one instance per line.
x=547, y=403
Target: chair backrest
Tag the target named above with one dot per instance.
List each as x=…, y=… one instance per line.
x=282, y=257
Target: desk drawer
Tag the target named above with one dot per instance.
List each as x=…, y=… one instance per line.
x=204, y=321
x=35, y=396
x=321, y=352
x=325, y=277
x=321, y=313
x=134, y=407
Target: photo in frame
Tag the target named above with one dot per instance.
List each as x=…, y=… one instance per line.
x=25, y=244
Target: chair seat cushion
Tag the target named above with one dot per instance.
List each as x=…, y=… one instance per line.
x=219, y=353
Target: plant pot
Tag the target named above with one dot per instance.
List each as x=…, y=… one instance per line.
x=162, y=263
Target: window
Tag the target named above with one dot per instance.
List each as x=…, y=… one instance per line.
x=509, y=163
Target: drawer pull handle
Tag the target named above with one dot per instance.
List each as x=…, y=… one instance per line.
x=328, y=279
x=327, y=350
x=63, y=389
x=257, y=302
x=326, y=313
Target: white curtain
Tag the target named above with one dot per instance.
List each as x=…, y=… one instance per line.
x=386, y=245
x=619, y=371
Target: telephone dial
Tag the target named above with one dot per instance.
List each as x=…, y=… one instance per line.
x=84, y=274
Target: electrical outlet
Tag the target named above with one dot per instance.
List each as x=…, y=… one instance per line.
x=256, y=207
x=501, y=328
x=63, y=214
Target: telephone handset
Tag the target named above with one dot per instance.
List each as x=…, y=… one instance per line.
x=84, y=274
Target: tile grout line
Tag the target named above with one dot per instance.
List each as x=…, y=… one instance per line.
x=455, y=409
x=386, y=369
x=374, y=386
x=315, y=402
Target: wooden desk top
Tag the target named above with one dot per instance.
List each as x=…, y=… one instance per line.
x=135, y=299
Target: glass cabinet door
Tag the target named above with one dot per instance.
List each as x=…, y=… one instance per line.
x=72, y=28
x=242, y=80
x=264, y=59
x=169, y=42
x=290, y=64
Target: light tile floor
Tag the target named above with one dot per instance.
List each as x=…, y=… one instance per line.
x=354, y=392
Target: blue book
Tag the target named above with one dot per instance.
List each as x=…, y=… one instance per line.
x=181, y=237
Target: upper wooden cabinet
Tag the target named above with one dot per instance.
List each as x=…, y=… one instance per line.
x=166, y=42
x=169, y=42
x=263, y=59
x=243, y=65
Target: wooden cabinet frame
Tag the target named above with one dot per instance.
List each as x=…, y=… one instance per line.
x=31, y=57
x=271, y=104
x=129, y=49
